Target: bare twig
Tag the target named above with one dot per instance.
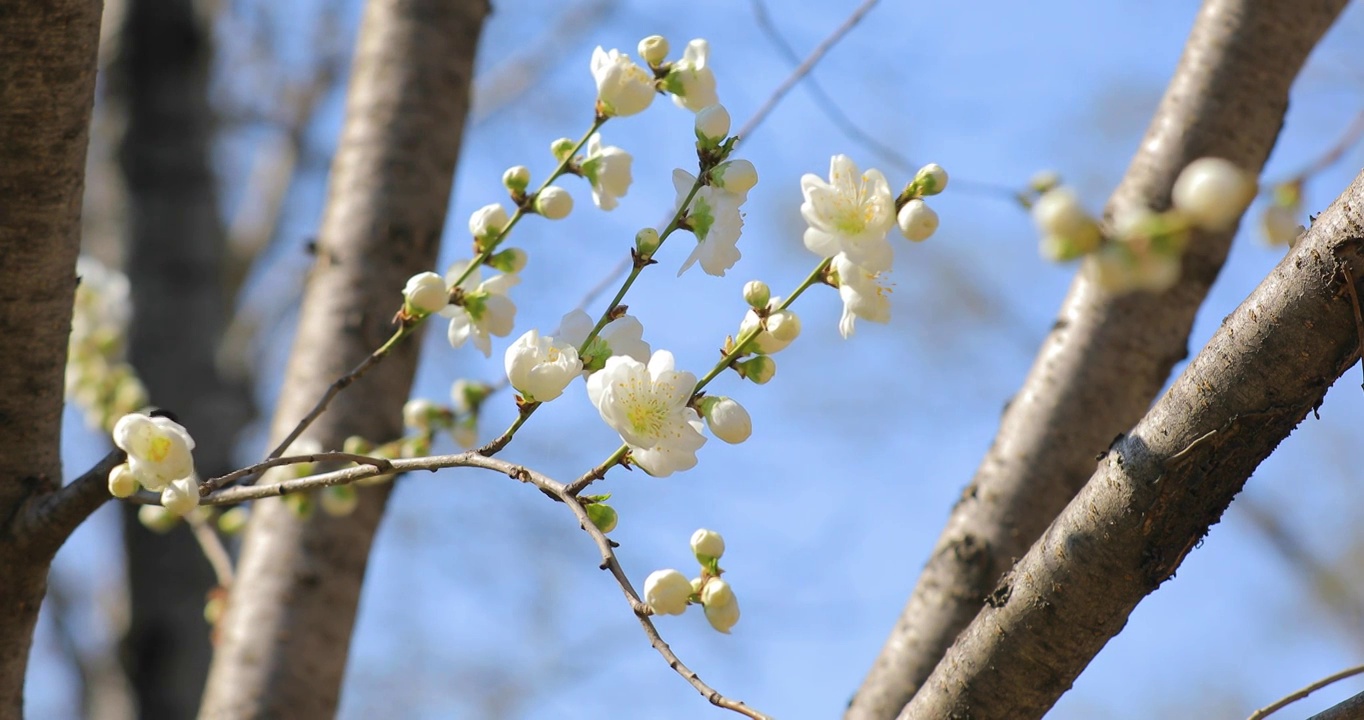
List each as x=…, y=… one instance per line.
x=1267, y=710
x=221, y=481
x=213, y=548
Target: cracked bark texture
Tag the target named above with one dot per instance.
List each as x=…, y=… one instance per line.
x=1160, y=487
x=1106, y=357
x=286, y=633
x=175, y=249
x=47, y=90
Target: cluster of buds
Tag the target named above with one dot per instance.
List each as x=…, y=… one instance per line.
x=669, y=592
x=98, y=379
x=1144, y=249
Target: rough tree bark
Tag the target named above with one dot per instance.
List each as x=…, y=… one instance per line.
x=285, y=636
x=175, y=241
x=47, y=90
x=1106, y=357
x=1160, y=487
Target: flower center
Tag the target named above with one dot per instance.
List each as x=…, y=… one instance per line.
x=159, y=449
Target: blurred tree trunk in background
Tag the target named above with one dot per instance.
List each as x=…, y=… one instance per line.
x=47, y=91
x=174, y=260
x=286, y=632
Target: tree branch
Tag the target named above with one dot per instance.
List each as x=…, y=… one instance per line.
x=1287, y=700
x=58, y=514
x=1160, y=488
x=1106, y=357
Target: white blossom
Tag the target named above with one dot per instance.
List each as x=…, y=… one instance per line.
x=158, y=448
x=486, y=310
x=622, y=336
x=862, y=293
x=608, y=169
x=712, y=124
x=541, y=367
x=736, y=176
x=851, y=213
x=623, y=87
x=713, y=216
x=691, y=81
x=648, y=406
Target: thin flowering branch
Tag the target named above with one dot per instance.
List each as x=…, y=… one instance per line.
x=409, y=324
x=598, y=472
x=247, y=474
x=639, y=262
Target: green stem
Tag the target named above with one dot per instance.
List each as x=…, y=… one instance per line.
x=741, y=345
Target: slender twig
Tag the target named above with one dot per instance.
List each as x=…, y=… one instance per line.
x=214, y=550
x=341, y=383
x=1300, y=694
x=212, y=484
x=805, y=67
x=597, y=472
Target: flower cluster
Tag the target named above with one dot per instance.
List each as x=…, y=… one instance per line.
x=98, y=379
x=669, y=592
x=849, y=216
x=1144, y=249
x=160, y=459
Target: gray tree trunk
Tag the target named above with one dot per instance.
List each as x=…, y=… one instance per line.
x=47, y=90
x=1106, y=357
x=175, y=242
x=286, y=633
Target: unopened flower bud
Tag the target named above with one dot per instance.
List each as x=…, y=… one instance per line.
x=554, y=203
x=510, y=261
x=181, y=496
x=783, y=326
x=647, y=242
x=735, y=176
x=516, y=178
x=339, y=500
x=759, y=369
x=425, y=293
x=1213, y=192
x=728, y=420
x=468, y=395
x=562, y=148
x=417, y=414
x=722, y=608
x=707, y=545
x=757, y=294
x=1044, y=181
x=1280, y=225
x=653, y=50
x=488, y=221
x=917, y=220
x=667, y=592
x=712, y=125
x=157, y=519
x=233, y=521
x=1067, y=230
x=930, y=180
x=122, y=483
x=602, y=515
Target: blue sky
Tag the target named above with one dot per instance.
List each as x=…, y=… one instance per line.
x=484, y=599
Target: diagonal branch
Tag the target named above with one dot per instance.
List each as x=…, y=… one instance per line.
x=1160, y=488
x=1106, y=357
